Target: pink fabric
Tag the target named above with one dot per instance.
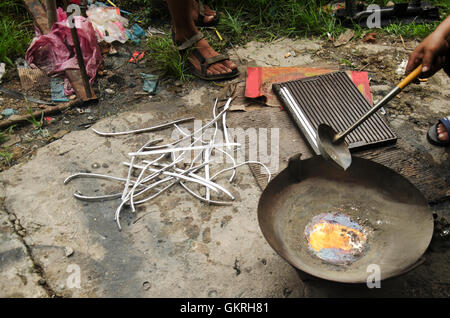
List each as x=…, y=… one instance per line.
x=50, y=53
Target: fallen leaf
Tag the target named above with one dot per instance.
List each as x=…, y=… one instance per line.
x=370, y=38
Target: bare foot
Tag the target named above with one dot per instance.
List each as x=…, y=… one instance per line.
x=209, y=13
x=442, y=133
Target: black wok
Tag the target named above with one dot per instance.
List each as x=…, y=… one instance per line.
x=395, y=215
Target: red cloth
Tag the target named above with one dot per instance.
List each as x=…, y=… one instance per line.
x=50, y=53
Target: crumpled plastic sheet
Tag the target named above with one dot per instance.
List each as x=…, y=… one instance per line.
x=135, y=33
x=50, y=53
x=57, y=90
x=150, y=83
x=108, y=24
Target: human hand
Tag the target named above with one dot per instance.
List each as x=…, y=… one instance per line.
x=433, y=52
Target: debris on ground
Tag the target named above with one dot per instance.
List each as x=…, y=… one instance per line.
x=9, y=112
x=68, y=251
x=163, y=166
x=370, y=38
x=401, y=67
x=135, y=33
x=136, y=57
x=344, y=38
x=108, y=24
x=57, y=90
x=54, y=53
x=154, y=31
x=150, y=83
x=33, y=79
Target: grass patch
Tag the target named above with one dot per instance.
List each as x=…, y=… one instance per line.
x=14, y=40
x=38, y=124
x=413, y=30
x=16, y=30
x=6, y=156
x=269, y=20
x=169, y=61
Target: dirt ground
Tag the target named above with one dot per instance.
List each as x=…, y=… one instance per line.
x=175, y=246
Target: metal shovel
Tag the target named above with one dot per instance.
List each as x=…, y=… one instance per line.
x=332, y=145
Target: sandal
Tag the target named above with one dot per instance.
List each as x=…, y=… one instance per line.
x=205, y=63
x=432, y=132
x=201, y=17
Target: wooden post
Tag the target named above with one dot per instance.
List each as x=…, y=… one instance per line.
x=51, y=12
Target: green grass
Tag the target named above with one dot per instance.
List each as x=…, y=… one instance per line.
x=16, y=30
x=163, y=54
x=38, y=124
x=6, y=156
x=268, y=20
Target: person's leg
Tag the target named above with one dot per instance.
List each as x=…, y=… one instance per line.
x=209, y=14
x=185, y=28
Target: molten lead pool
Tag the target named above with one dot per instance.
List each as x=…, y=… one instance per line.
x=335, y=238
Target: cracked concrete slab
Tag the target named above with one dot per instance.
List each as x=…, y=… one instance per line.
x=173, y=246
x=18, y=277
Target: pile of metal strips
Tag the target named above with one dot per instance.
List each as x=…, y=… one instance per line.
x=156, y=175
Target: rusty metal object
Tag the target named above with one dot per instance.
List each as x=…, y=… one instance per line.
x=396, y=216
x=82, y=66
x=75, y=78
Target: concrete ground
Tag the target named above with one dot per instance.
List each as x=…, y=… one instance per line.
x=175, y=246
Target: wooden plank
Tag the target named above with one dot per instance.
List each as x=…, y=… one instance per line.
x=39, y=15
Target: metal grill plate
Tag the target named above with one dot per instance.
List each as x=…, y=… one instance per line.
x=332, y=99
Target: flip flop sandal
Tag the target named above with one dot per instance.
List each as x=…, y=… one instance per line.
x=204, y=62
x=201, y=17
x=432, y=132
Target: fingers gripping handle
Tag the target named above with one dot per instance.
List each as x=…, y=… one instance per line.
x=411, y=77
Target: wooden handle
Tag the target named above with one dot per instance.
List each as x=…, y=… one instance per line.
x=411, y=77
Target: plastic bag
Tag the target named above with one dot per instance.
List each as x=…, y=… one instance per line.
x=109, y=25
x=54, y=52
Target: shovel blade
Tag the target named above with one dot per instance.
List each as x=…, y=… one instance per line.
x=335, y=151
